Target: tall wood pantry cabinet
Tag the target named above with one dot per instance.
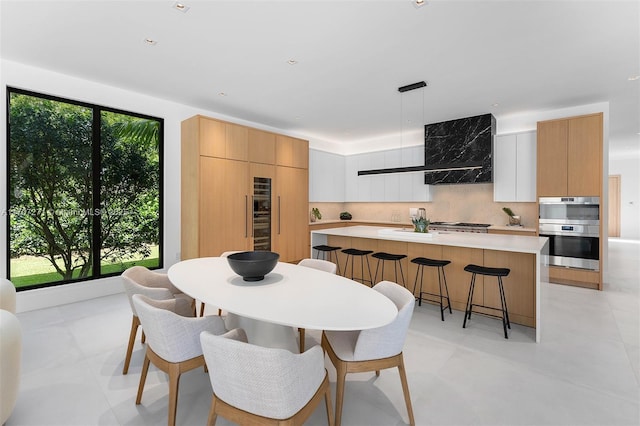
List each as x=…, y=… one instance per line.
x=570, y=164
x=242, y=189
x=570, y=157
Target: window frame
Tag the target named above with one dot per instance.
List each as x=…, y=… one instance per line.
x=96, y=164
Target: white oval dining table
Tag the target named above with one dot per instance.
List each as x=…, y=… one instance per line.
x=289, y=296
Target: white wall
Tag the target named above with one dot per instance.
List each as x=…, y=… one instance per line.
x=43, y=81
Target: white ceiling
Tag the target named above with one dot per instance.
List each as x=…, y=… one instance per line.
x=352, y=56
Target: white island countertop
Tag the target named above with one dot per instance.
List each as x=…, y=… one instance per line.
x=513, y=243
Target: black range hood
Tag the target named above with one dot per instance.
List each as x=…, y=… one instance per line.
x=459, y=151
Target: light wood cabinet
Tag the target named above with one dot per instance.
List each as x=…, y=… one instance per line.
x=262, y=146
x=570, y=157
x=292, y=152
x=291, y=235
x=223, y=226
x=220, y=139
x=584, y=162
x=225, y=168
x=552, y=158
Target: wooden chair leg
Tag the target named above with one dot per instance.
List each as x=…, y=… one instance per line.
x=174, y=383
x=143, y=338
x=143, y=378
x=327, y=401
x=341, y=371
x=211, y=421
x=405, y=390
x=201, y=309
x=135, y=322
x=302, y=333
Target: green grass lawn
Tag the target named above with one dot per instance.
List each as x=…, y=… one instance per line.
x=29, y=270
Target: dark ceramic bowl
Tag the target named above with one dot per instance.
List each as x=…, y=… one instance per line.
x=253, y=265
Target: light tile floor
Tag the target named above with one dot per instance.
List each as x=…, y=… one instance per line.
x=585, y=371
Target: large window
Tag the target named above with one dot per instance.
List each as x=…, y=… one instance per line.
x=84, y=190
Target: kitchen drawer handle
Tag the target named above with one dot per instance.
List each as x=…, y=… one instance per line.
x=278, y=215
x=246, y=219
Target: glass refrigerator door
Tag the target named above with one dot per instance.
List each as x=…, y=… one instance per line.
x=261, y=213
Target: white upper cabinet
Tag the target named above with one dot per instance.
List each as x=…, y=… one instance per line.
x=326, y=176
x=515, y=167
x=350, y=178
x=334, y=178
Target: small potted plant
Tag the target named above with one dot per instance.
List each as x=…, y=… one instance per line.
x=345, y=216
x=420, y=224
x=513, y=219
x=315, y=214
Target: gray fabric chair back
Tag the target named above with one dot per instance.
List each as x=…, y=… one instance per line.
x=388, y=340
x=268, y=382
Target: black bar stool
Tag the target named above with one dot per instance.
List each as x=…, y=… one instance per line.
x=328, y=252
x=351, y=253
x=395, y=258
x=492, y=272
x=432, y=263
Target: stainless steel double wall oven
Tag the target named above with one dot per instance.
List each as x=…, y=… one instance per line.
x=572, y=225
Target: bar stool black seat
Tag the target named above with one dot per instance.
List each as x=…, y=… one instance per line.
x=395, y=258
x=353, y=252
x=442, y=279
x=492, y=272
x=328, y=252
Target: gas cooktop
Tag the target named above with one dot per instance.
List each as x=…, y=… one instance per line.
x=459, y=226
x=474, y=225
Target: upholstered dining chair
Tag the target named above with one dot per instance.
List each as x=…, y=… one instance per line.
x=322, y=265
x=256, y=385
x=155, y=285
x=375, y=349
x=224, y=254
x=173, y=341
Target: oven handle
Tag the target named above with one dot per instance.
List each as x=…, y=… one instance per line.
x=567, y=234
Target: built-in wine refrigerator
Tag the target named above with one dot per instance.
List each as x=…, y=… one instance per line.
x=261, y=230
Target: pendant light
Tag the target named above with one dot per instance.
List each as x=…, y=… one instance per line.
x=422, y=168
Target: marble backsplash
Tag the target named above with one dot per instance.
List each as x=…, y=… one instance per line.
x=451, y=203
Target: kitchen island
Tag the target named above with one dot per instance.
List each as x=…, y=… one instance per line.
x=524, y=255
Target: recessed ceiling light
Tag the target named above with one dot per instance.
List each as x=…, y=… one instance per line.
x=181, y=7
x=222, y=94
x=495, y=105
x=418, y=3
x=150, y=41
x=292, y=62
x=634, y=78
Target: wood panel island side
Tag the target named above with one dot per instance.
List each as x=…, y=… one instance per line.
x=523, y=255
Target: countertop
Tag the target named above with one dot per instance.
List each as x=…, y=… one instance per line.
x=500, y=242
x=323, y=222
x=407, y=223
